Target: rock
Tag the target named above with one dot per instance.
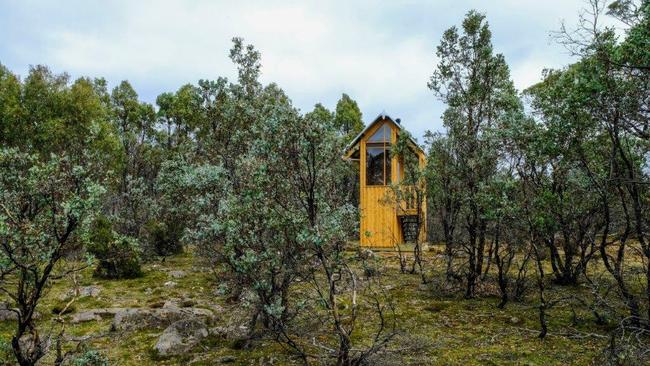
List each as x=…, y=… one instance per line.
x=29, y=342
x=231, y=332
x=177, y=274
x=85, y=316
x=141, y=318
x=171, y=304
x=219, y=332
x=86, y=291
x=180, y=336
x=170, y=284
x=92, y=291
x=107, y=312
x=6, y=313
x=95, y=314
x=188, y=303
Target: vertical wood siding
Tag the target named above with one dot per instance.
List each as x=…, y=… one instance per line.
x=380, y=226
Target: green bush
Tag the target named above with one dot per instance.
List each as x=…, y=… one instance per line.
x=118, y=256
x=90, y=358
x=164, y=238
x=6, y=353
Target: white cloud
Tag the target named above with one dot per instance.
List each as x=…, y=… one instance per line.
x=380, y=54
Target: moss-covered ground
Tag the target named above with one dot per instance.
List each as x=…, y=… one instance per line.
x=433, y=328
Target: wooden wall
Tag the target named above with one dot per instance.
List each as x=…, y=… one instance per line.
x=380, y=226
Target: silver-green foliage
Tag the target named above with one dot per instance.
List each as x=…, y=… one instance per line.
x=45, y=212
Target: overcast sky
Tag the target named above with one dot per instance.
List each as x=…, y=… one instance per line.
x=380, y=53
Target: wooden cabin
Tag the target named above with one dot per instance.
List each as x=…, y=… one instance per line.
x=384, y=223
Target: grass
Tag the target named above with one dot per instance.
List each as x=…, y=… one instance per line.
x=434, y=328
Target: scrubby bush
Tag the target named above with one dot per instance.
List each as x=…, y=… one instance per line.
x=6, y=355
x=164, y=238
x=90, y=358
x=47, y=207
x=118, y=256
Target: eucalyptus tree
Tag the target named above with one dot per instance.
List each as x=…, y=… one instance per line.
x=180, y=116
x=553, y=169
x=139, y=160
x=475, y=84
x=348, y=118
x=607, y=91
x=582, y=160
x=11, y=132
x=410, y=192
x=302, y=166
x=270, y=213
x=510, y=247
x=205, y=127
x=618, y=81
x=45, y=211
x=349, y=123
x=47, y=113
x=444, y=193
x=243, y=224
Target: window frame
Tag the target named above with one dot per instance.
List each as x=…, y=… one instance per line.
x=387, y=158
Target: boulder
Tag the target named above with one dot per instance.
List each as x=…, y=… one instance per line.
x=9, y=313
x=232, y=332
x=95, y=314
x=177, y=274
x=85, y=316
x=180, y=337
x=104, y=313
x=6, y=313
x=91, y=291
x=171, y=304
x=85, y=291
x=107, y=312
x=142, y=318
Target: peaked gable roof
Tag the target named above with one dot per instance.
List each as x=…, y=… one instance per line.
x=380, y=118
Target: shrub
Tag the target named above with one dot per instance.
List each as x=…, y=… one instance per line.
x=90, y=358
x=164, y=238
x=6, y=354
x=118, y=256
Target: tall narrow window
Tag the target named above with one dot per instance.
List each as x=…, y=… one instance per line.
x=378, y=172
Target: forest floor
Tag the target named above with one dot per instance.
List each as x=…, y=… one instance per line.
x=433, y=329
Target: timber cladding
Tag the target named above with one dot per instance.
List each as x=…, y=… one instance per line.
x=380, y=224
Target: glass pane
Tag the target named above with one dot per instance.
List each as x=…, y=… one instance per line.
x=382, y=134
x=388, y=170
x=375, y=166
